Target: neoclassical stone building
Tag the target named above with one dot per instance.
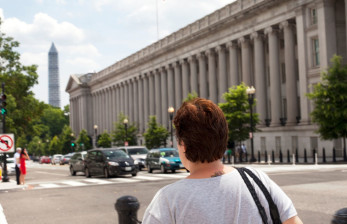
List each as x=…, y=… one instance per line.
x=278, y=46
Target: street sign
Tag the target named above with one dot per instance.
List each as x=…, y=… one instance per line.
x=6, y=143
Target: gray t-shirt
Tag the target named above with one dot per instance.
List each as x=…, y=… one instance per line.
x=222, y=199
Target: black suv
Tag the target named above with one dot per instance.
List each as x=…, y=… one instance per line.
x=109, y=162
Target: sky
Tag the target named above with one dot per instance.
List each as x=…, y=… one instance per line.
x=91, y=35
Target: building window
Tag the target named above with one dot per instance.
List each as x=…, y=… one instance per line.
x=313, y=13
x=315, y=52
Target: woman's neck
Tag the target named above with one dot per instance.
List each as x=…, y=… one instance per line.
x=206, y=170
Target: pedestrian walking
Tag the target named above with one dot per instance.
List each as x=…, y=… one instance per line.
x=23, y=171
x=16, y=158
x=213, y=193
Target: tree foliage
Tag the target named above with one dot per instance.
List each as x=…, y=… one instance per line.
x=66, y=138
x=330, y=99
x=237, y=113
x=83, y=141
x=156, y=134
x=191, y=96
x=120, y=135
x=105, y=140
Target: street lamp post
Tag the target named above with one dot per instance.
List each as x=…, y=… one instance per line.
x=95, y=135
x=251, y=91
x=171, y=111
x=125, y=122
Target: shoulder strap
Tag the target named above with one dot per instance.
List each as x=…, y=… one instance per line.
x=254, y=195
x=273, y=208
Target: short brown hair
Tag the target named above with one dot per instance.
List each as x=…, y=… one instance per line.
x=201, y=126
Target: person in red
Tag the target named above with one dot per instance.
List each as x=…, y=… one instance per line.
x=23, y=170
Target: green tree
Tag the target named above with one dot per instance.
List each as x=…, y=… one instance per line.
x=66, y=138
x=54, y=119
x=236, y=110
x=104, y=140
x=330, y=99
x=120, y=135
x=34, y=147
x=83, y=141
x=55, y=146
x=191, y=96
x=156, y=135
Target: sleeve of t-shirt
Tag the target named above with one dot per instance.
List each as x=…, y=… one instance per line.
x=285, y=206
x=158, y=211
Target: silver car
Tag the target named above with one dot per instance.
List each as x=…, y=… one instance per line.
x=138, y=153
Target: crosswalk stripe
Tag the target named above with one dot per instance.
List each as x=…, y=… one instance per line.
x=98, y=181
x=49, y=185
x=147, y=178
x=73, y=183
x=170, y=176
x=125, y=180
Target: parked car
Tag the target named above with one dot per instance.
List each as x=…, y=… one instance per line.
x=11, y=169
x=45, y=159
x=164, y=159
x=76, y=162
x=109, y=162
x=138, y=153
x=65, y=159
x=56, y=159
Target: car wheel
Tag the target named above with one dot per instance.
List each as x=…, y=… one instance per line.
x=72, y=172
x=140, y=168
x=173, y=171
x=162, y=169
x=86, y=172
x=134, y=174
x=106, y=173
x=150, y=170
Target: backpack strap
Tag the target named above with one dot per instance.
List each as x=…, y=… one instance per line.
x=275, y=216
x=254, y=195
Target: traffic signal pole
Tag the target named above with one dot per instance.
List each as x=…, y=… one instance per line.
x=5, y=176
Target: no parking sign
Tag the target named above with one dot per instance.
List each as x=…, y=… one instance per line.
x=6, y=143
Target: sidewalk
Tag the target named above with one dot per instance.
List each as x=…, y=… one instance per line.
x=12, y=184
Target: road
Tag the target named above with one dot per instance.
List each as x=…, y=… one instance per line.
x=53, y=196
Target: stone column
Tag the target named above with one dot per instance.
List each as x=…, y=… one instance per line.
x=202, y=75
x=222, y=73
x=275, y=83
x=246, y=60
x=164, y=97
x=260, y=78
x=302, y=64
x=178, y=85
x=234, y=66
x=289, y=54
x=126, y=99
x=193, y=74
x=185, y=79
x=108, y=109
x=157, y=95
x=171, y=86
x=131, y=100
x=122, y=108
x=212, y=76
x=145, y=99
x=151, y=94
x=135, y=102
x=141, y=103
x=115, y=103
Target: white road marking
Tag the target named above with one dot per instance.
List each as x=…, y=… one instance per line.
x=125, y=180
x=147, y=178
x=73, y=183
x=49, y=185
x=50, y=173
x=170, y=176
x=98, y=181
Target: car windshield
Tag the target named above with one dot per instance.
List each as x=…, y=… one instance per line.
x=9, y=160
x=171, y=153
x=110, y=154
x=137, y=151
x=67, y=156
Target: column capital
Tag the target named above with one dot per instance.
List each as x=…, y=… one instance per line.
x=209, y=52
x=243, y=41
x=183, y=62
x=200, y=55
x=191, y=58
x=287, y=24
x=232, y=44
x=176, y=64
x=220, y=48
x=257, y=35
x=271, y=30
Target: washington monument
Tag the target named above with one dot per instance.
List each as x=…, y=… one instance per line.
x=53, y=77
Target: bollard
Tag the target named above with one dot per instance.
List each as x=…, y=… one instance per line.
x=340, y=217
x=324, y=158
x=293, y=159
x=288, y=156
x=258, y=156
x=273, y=156
x=314, y=155
x=246, y=156
x=281, y=156
x=127, y=207
x=305, y=156
x=316, y=158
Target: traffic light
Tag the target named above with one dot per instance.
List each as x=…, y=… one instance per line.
x=73, y=144
x=3, y=104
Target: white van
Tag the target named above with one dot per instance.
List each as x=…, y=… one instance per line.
x=138, y=153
